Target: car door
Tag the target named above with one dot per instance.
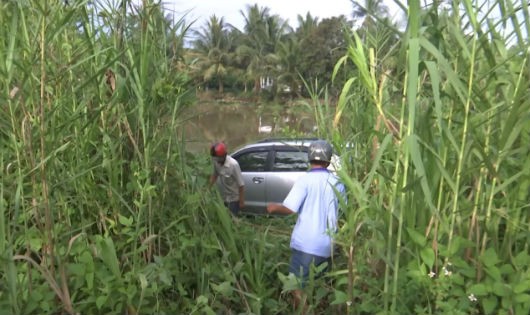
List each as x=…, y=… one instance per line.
x=288, y=163
x=254, y=164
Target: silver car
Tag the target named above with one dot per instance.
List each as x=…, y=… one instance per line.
x=270, y=167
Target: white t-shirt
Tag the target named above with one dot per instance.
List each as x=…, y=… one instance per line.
x=313, y=198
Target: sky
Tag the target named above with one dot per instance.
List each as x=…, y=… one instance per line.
x=230, y=9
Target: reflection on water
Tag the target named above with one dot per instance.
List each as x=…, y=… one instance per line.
x=237, y=125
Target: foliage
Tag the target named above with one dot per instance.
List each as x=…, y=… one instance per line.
x=434, y=194
x=322, y=48
x=103, y=211
x=215, y=52
x=268, y=49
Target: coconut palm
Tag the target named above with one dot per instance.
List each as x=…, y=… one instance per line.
x=262, y=33
x=306, y=25
x=289, y=52
x=214, y=45
x=369, y=8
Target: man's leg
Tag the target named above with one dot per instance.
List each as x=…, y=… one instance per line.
x=233, y=206
x=300, y=266
x=299, y=300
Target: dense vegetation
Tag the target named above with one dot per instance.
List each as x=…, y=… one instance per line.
x=103, y=211
x=267, y=50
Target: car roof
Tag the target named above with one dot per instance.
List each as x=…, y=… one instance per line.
x=280, y=141
x=289, y=140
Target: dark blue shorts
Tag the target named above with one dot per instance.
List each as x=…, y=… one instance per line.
x=233, y=206
x=301, y=263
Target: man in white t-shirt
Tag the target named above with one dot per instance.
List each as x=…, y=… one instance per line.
x=227, y=171
x=314, y=197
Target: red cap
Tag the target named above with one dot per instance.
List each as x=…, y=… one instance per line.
x=218, y=149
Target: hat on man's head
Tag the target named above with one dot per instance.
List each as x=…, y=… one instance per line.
x=218, y=149
x=320, y=150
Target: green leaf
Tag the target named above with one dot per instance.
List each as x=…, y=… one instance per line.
x=289, y=282
x=458, y=279
x=76, y=269
x=522, y=309
x=454, y=247
x=125, y=221
x=89, y=278
x=522, y=286
x=417, y=160
x=224, y=288
x=469, y=273
x=143, y=281
x=460, y=263
x=340, y=298
x=417, y=237
x=494, y=273
x=343, y=97
x=489, y=258
x=100, y=301
x=522, y=298
x=507, y=303
x=36, y=295
x=452, y=77
x=478, y=289
x=86, y=258
x=201, y=299
x=489, y=304
x=501, y=289
x=35, y=244
x=507, y=269
x=522, y=259
x=108, y=255
x=427, y=255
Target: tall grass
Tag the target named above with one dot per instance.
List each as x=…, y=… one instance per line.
x=102, y=210
x=78, y=187
x=446, y=213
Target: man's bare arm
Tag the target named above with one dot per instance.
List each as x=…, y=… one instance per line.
x=278, y=208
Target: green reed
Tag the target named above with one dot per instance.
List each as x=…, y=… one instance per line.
x=103, y=211
x=77, y=132
x=447, y=180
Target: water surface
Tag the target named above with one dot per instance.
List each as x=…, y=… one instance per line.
x=239, y=124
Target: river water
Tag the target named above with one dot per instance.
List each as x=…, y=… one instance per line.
x=237, y=125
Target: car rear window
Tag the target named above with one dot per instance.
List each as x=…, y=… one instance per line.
x=290, y=161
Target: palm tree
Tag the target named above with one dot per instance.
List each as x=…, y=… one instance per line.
x=306, y=25
x=214, y=49
x=289, y=52
x=262, y=33
x=369, y=9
